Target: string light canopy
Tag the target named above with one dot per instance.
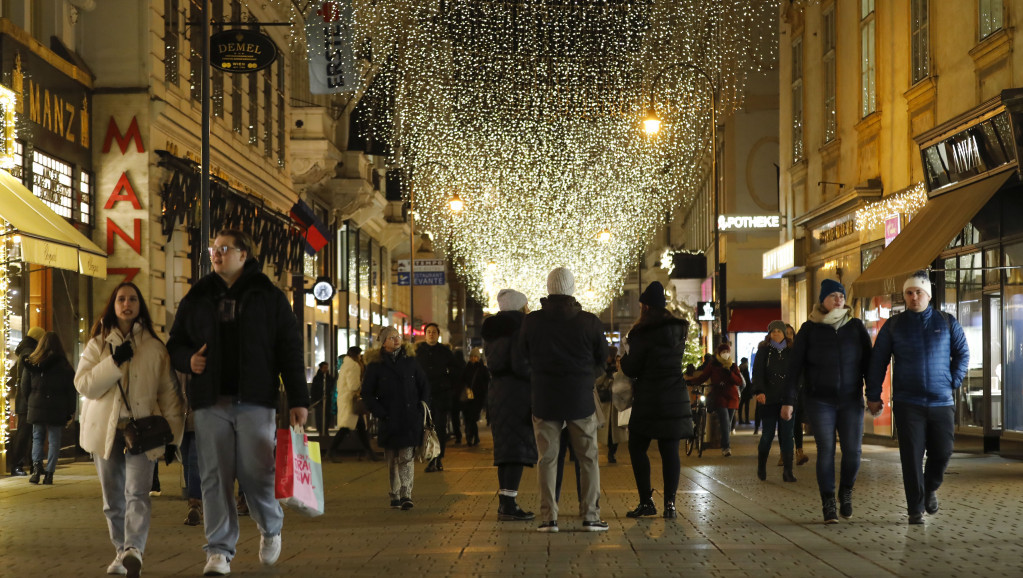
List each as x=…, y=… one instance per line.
x=536, y=107
x=908, y=202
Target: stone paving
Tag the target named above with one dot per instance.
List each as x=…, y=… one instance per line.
x=729, y=524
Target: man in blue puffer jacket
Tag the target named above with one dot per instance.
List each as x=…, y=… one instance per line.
x=931, y=357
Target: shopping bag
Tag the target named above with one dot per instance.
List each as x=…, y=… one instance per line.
x=429, y=448
x=621, y=392
x=298, y=481
x=623, y=417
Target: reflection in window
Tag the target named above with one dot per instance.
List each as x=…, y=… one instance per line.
x=1012, y=374
x=971, y=317
x=989, y=17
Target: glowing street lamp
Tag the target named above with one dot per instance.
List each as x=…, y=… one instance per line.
x=604, y=236
x=652, y=123
x=456, y=203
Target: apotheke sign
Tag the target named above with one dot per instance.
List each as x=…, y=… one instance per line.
x=748, y=222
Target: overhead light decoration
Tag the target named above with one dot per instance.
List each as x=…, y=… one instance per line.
x=533, y=111
x=9, y=120
x=908, y=202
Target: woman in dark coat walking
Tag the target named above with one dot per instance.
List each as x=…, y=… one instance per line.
x=395, y=390
x=509, y=410
x=769, y=389
x=660, y=403
x=832, y=354
x=52, y=400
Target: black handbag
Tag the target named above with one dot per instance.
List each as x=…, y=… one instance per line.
x=142, y=435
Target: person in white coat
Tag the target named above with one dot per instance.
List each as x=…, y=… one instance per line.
x=123, y=348
x=349, y=386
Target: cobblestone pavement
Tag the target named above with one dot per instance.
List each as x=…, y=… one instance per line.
x=729, y=524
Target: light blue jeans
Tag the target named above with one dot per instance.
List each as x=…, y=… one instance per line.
x=583, y=436
x=236, y=440
x=125, y=480
x=52, y=433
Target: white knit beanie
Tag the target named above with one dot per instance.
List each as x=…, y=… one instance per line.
x=920, y=281
x=511, y=300
x=561, y=282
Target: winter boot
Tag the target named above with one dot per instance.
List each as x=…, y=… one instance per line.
x=509, y=510
x=829, y=508
x=37, y=472
x=845, y=501
x=762, y=464
x=787, y=472
x=48, y=478
x=194, y=516
x=801, y=458
x=645, y=508
x=669, y=508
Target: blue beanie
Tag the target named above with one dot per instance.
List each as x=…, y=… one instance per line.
x=653, y=295
x=829, y=286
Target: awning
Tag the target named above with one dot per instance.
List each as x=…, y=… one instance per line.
x=46, y=237
x=753, y=319
x=926, y=236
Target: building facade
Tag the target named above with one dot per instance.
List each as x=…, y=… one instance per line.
x=900, y=151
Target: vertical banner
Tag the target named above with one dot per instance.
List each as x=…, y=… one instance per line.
x=328, y=32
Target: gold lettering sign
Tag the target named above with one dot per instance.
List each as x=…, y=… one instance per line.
x=51, y=110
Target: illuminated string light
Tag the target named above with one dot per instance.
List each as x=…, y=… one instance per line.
x=908, y=202
x=533, y=111
x=9, y=120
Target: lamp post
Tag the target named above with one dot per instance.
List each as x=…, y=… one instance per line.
x=456, y=205
x=652, y=124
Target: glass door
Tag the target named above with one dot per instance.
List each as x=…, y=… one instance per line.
x=973, y=409
x=993, y=357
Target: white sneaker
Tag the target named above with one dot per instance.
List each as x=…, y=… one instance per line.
x=217, y=565
x=269, y=549
x=116, y=568
x=132, y=562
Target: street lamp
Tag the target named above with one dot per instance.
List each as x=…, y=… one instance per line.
x=604, y=236
x=652, y=124
x=456, y=203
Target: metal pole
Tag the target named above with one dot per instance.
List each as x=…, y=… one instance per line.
x=204, y=230
x=717, y=208
x=412, y=263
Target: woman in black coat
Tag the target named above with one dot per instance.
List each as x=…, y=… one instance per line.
x=49, y=384
x=395, y=390
x=769, y=388
x=509, y=410
x=660, y=404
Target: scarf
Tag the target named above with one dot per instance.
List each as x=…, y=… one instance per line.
x=835, y=318
x=778, y=345
x=725, y=361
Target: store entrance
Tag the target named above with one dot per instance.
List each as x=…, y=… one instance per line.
x=992, y=356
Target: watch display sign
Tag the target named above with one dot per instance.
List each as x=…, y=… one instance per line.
x=241, y=50
x=323, y=290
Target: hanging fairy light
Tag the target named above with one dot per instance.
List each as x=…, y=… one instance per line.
x=533, y=111
x=908, y=202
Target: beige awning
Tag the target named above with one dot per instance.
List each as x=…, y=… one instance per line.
x=46, y=237
x=926, y=236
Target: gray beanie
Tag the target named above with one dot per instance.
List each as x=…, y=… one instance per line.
x=561, y=282
x=511, y=300
x=776, y=324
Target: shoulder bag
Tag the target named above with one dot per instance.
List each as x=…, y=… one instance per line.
x=148, y=433
x=429, y=448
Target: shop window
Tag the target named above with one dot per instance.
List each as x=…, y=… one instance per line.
x=919, y=23
x=989, y=17
x=972, y=411
x=51, y=182
x=171, y=41
x=85, y=196
x=1012, y=372
x=830, y=73
x=868, y=64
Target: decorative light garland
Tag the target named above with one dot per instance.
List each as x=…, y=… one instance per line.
x=8, y=117
x=907, y=202
x=531, y=112
x=5, y=332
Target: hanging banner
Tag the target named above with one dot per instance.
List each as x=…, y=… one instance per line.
x=328, y=33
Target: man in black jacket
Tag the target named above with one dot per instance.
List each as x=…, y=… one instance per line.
x=443, y=371
x=237, y=337
x=22, y=440
x=566, y=350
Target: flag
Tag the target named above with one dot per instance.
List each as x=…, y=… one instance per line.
x=316, y=234
x=328, y=32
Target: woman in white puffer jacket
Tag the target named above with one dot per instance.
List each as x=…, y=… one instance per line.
x=124, y=348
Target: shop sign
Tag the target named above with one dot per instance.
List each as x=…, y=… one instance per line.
x=749, y=222
x=329, y=37
x=978, y=149
x=835, y=230
x=781, y=260
x=892, y=228
x=123, y=212
x=428, y=272
x=706, y=311
x=241, y=50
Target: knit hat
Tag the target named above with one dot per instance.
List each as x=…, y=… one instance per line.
x=511, y=300
x=36, y=333
x=723, y=346
x=920, y=281
x=776, y=324
x=653, y=296
x=561, y=282
x=476, y=352
x=829, y=286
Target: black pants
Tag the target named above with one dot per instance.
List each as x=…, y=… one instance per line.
x=440, y=415
x=509, y=476
x=920, y=429
x=670, y=465
x=797, y=417
x=20, y=452
x=744, y=409
x=471, y=414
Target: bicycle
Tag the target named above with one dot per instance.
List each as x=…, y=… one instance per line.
x=699, y=410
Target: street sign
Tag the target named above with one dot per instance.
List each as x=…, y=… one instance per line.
x=428, y=272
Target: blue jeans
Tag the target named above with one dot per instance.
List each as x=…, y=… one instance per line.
x=190, y=465
x=125, y=480
x=725, y=424
x=772, y=416
x=53, y=437
x=845, y=418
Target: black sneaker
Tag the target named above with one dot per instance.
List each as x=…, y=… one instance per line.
x=829, y=510
x=931, y=503
x=432, y=466
x=845, y=502
x=548, y=527
x=406, y=504
x=595, y=526
x=916, y=519
x=395, y=504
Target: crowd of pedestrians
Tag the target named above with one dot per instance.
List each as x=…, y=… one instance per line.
x=546, y=379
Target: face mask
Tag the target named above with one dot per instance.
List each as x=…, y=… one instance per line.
x=725, y=355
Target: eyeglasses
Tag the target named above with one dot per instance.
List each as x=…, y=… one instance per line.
x=223, y=250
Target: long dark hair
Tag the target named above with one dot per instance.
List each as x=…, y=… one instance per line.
x=49, y=346
x=653, y=315
x=108, y=319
